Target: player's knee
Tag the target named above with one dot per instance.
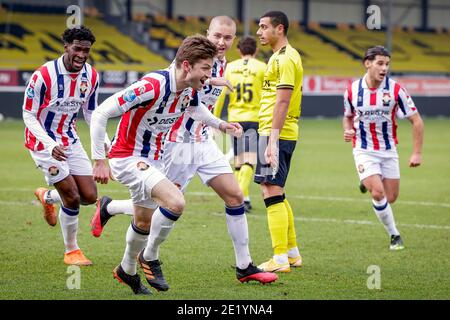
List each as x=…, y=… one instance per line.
x=235, y=198
x=89, y=198
x=377, y=194
x=176, y=204
x=72, y=199
x=142, y=225
x=391, y=198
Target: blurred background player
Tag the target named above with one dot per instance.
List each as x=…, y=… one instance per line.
x=53, y=97
x=371, y=105
x=278, y=130
x=246, y=75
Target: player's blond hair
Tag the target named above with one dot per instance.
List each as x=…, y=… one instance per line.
x=226, y=20
x=195, y=48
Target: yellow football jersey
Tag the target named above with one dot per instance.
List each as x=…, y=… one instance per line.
x=284, y=71
x=246, y=76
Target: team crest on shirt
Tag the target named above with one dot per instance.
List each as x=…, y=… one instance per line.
x=142, y=166
x=53, y=171
x=360, y=168
x=83, y=86
x=185, y=102
x=129, y=96
x=386, y=99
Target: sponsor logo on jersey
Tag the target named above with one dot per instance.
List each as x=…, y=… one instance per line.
x=129, y=96
x=141, y=90
x=30, y=93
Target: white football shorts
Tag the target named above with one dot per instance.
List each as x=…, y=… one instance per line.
x=369, y=163
x=77, y=163
x=184, y=160
x=140, y=175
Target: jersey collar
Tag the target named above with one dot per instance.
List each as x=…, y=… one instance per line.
x=172, y=79
x=364, y=83
x=62, y=67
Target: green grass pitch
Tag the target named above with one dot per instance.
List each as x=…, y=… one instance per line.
x=338, y=233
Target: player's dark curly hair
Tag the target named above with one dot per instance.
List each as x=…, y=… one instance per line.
x=247, y=45
x=81, y=33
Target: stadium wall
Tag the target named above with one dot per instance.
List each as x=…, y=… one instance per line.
x=312, y=106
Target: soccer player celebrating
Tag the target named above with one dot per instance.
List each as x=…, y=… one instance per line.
x=246, y=75
x=278, y=130
x=371, y=106
x=53, y=97
x=189, y=149
x=149, y=108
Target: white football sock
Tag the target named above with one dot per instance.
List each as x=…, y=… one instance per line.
x=136, y=239
x=120, y=207
x=281, y=258
x=293, y=252
x=384, y=213
x=238, y=230
x=68, y=219
x=163, y=221
x=52, y=196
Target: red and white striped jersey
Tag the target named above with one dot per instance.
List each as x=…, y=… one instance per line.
x=150, y=108
x=187, y=129
x=374, y=112
x=54, y=96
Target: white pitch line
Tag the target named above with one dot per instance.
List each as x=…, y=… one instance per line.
x=350, y=221
x=344, y=199
x=321, y=220
x=319, y=198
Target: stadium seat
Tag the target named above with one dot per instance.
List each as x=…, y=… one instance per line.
x=34, y=39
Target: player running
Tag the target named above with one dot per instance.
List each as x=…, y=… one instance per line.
x=189, y=149
x=371, y=106
x=53, y=97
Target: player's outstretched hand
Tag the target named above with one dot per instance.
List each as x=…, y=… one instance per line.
x=101, y=171
x=348, y=135
x=415, y=160
x=59, y=154
x=221, y=82
x=232, y=128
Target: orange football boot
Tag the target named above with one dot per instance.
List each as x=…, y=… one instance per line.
x=49, y=209
x=77, y=258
